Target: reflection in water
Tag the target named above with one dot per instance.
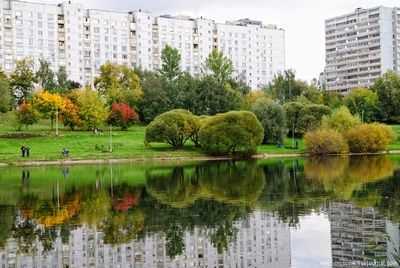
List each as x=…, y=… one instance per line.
x=226, y=214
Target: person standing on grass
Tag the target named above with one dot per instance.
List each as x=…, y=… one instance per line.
x=27, y=150
x=23, y=150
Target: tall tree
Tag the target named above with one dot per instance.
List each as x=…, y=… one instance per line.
x=49, y=104
x=363, y=102
x=62, y=79
x=388, y=89
x=171, y=59
x=285, y=87
x=220, y=66
x=45, y=76
x=5, y=93
x=23, y=79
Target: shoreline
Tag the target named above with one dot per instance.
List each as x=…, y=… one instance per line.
x=167, y=159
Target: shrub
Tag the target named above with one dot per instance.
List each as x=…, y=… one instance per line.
x=310, y=116
x=340, y=119
x=231, y=133
x=273, y=119
x=369, y=138
x=325, y=141
x=174, y=127
x=122, y=115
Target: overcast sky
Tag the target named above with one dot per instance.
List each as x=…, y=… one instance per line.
x=303, y=20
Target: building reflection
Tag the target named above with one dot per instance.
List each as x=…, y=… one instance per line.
x=261, y=241
x=361, y=235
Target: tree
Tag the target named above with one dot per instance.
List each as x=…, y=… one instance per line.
x=340, y=120
x=388, y=89
x=273, y=119
x=231, y=133
x=284, y=87
x=22, y=79
x=310, y=116
x=220, y=67
x=45, y=76
x=62, y=80
x=155, y=100
x=122, y=115
x=5, y=93
x=292, y=110
x=174, y=127
x=27, y=114
x=117, y=81
x=49, y=104
x=69, y=116
x=171, y=60
x=93, y=110
x=363, y=102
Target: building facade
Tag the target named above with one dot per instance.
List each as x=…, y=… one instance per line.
x=361, y=46
x=262, y=241
x=80, y=40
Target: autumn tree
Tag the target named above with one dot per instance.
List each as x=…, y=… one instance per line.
x=27, y=114
x=45, y=76
x=122, y=115
x=22, y=79
x=69, y=116
x=49, y=104
x=93, y=110
x=171, y=60
x=117, y=82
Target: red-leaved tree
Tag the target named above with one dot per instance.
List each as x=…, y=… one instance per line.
x=121, y=115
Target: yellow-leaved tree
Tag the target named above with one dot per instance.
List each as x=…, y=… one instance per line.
x=49, y=104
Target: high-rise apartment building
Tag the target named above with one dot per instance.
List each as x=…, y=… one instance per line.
x=80, y=40
x=361, y=46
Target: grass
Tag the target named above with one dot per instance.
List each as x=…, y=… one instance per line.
x=127, y=144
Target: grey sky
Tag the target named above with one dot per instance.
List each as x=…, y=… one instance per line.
x=302, y=20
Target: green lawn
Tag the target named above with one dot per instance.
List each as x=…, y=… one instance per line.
x=127, y=144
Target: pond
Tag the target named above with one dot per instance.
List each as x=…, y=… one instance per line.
x=323, y=212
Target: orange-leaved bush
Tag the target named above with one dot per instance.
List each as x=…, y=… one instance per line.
x=122, y=115
x=325, y=141
x=369, y=138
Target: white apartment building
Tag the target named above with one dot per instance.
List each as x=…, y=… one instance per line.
x=361, y=46
x=262, y=241
x=81, y=40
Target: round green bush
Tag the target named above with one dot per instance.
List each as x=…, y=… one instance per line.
x=325, y=141
x=369, y=138
x=174, y=127
x=231, y=133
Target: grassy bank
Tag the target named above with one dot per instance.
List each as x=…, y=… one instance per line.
x=45, y=146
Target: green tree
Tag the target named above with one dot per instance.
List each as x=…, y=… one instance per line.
x=5, y=93
x=285, y=87
x=237, y=132
x=171, y=60
x=219, y=66
x=22, y=79
x=388, y=89
x=292, y=110
x=363, y=102
x=174, y=127
x=310, y=116
x=93, y=110
x=273, y=119
x=62, y=80
x=340, y=120
x=45, y=76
